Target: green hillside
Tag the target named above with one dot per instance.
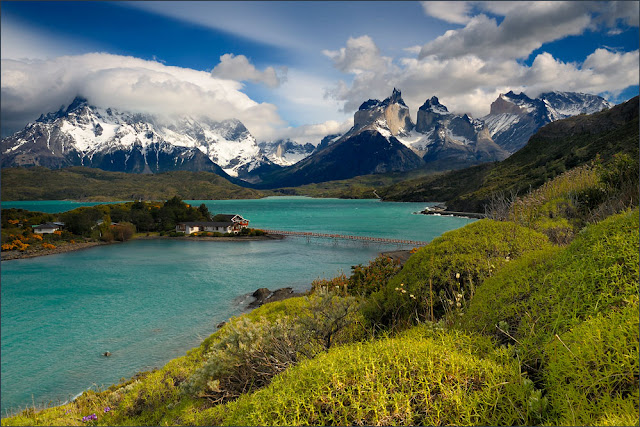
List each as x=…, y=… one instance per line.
x=557, y=147
x=80, y=183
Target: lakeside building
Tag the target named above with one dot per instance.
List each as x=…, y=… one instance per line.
x=232, y=224
x=48, y=227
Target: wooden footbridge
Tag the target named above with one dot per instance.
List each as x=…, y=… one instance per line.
x=346, y=237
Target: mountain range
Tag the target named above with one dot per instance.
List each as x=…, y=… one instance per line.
x=514, y=118
x=383, y=139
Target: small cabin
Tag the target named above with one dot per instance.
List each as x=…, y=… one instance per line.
x=208, y=226
x=48, y=227
x=230, y=223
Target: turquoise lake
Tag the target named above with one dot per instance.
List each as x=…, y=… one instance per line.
x=150, y=301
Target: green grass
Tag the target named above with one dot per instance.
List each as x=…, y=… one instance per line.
x=443, y=276
x=80, y=183
x=572, y=314
x=591, y=371
x=423, y=377
x=549, y=292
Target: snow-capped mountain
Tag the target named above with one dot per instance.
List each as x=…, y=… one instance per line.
x=112, y=140
x=285, y=152
x=515, y=117
x=370, y=146
x=389, y=117
x=440, y=134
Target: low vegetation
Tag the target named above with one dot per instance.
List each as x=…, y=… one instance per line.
x=444, y=276
x=81, y=183
x=563, y=206
x=548, y=336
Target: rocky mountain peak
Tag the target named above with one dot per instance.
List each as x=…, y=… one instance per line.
x=78, y=103
x=434, y=106
x=395, y=98
x=515, y=117
x=430, y=113
x=370, y=104
x=81, y=134
x=389, y=116
x=511, y=103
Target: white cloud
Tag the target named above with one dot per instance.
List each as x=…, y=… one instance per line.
x=239, y=68
x=29, y=88
x=312, y=133
x=414, y=50
x=628, y=12
x=360, y=54
x=468, y=84
x=522, y=31
x=457, y=12
x=526, y=25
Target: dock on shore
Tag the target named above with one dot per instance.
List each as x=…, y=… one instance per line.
x=453, y=213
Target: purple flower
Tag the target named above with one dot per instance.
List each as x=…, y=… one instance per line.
x=89, y=417
x=107, y=409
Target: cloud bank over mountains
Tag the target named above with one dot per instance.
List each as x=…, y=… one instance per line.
x=491, y=48
x=127, y=84
x=469, y=67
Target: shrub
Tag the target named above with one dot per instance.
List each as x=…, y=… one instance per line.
x=423, y=377
x=549, y=292
x=371, y=278
x=336, y=284
x=557, y=207
x=591, y=372
x=246, y=357
x=251, y=350
x=123, y=231
x=619, y=180
x=442, y=277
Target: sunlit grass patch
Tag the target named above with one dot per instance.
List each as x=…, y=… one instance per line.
x=422, y=377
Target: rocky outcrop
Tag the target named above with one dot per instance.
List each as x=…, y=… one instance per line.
x=264, y=295
x=429, y=114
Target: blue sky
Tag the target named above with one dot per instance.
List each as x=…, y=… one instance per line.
x=300, y=69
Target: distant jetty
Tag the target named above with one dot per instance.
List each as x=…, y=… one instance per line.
x=441, y=210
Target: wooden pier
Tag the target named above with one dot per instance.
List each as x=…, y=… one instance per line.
x=346, y=237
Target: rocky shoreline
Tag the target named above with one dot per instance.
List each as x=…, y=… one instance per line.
x=264, y=295
x=11, y=255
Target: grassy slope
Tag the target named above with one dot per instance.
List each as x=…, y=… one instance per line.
x=79, y=183
x=586, y=293
x=573, y=314
x=557, y=147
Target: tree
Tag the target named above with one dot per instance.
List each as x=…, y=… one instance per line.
x=123, y=231
x=204, y=211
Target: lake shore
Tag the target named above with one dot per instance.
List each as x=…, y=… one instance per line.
x=71, y=247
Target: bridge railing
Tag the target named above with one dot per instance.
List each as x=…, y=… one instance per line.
x=346, y=237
